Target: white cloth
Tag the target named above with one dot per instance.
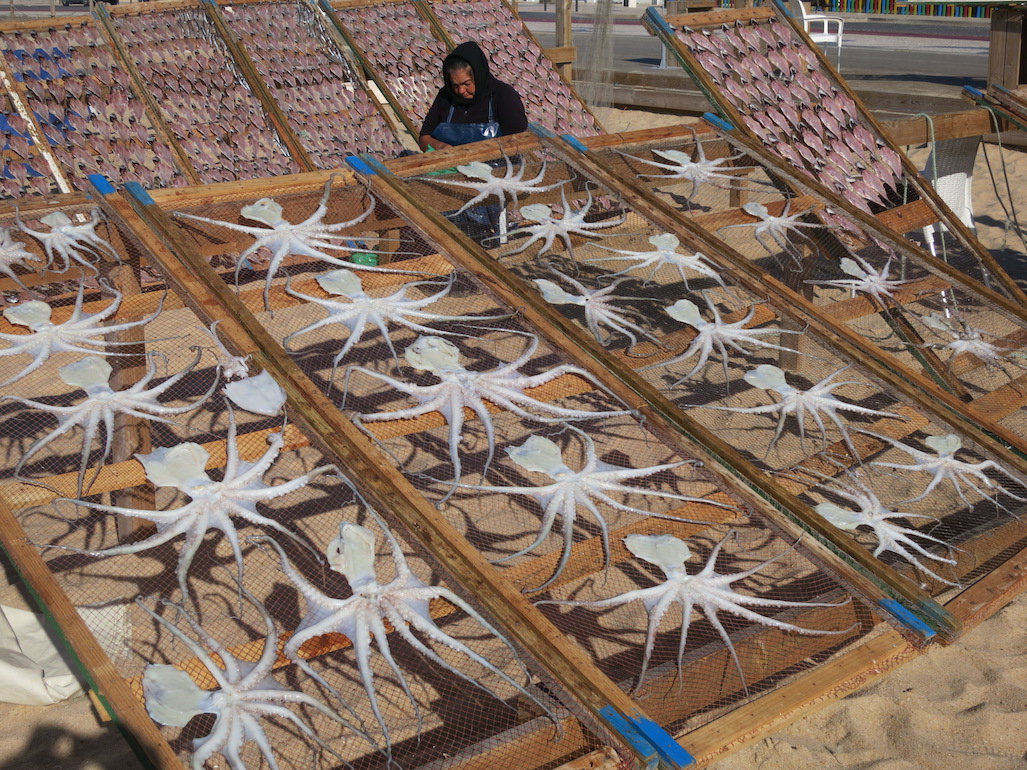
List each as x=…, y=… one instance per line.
x=33, y=671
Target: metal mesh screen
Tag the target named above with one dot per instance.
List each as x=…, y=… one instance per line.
x=747, y=371
x=74, y=84
x=235, y=492
x=400, y=50
x=899, y=299
x=517, y=58
x=207, y=104
x=496, y=427
x=310, y=78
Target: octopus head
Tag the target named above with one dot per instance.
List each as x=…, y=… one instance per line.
x=946, y=445
x=341, y=283
x=56, y=220
x=476, y=170
x=538, y=454
x=768, y=377
x=554, y=295
x=33, y=314
x=91, y=372
x=432, y=354
x=686, y=312
x=840, y=517
x=182, y=466
x=665, y=551
x=259, y=394
x=266, y=210
x=665, y=241
x=352, y=554
x=172, y=697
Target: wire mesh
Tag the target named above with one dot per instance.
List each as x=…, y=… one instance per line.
x=538, y=467
x=745, y=368
x=781, y=92
x=75, y=86
x=400, y=51
x=327, y=105
x=517, y=58
x=900, y=299
x=206, y=102
x=152, y=549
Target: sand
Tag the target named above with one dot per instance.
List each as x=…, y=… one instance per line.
x=958, y=706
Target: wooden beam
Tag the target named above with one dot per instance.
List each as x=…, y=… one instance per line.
x=992, y=592
x=953, y=125
x=806, y=695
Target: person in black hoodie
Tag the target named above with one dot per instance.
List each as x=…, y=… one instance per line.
x=472, y=104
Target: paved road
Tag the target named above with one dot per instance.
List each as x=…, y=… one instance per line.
x=939, y=52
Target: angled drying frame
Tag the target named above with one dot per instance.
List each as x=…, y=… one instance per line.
x=795, y=103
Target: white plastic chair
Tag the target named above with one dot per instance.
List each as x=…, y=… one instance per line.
x=950, y=170
x=821, y=28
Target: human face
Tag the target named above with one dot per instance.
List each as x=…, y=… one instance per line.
x=461, y=83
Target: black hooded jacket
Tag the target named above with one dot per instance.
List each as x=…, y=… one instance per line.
x=507, y=108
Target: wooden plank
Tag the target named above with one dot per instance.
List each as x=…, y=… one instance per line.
x=992, y=592
x=384, y=486
x=908, y=217
x=101, y=673
x=183, y=197
x=776, y=710
x=600, y=759
x=1005, y=47
x=716, y=18
x=563, y=55
x=953, y=125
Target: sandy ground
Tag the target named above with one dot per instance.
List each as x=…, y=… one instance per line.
x=961, y=706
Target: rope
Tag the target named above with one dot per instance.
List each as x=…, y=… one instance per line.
x=1012, y=221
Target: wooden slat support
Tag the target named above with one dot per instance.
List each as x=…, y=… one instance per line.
x=992, y=592
x=667, y=421
x=952, y=125
x=117, y=698
x=785, y=705
x=384, y=486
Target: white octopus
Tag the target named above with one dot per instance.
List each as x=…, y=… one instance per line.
x=715, y=335
x=698, y=171
x=403, y=603
x=459, y=388
x=594, y=483
x=362, y=310
x=666, y=253
x=967, y=339
x=71, y=242
x=817, y=400
x=598, y=305
x=511, y=184
x=13, y=253
x=246, y=693
x=707, y=590
x=778, y=229
x=102, y=403
x=943, y=466
x=213, y=504
x=890, y=536
x=81, y=333
x=309, y=238
x=867, y=280
x=548, y=228
x=232, y=367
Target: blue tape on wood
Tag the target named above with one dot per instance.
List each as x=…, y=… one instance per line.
x=540, y=130
x=138, y=192
x=653, y=17
x=574, y=142
x=997, y=87
x=976, y=93
x=907, y=618
x=782, y=8
x=360, y=165
x=716, y=120
x=670, y=751
x=631, y=735
x=99, y=181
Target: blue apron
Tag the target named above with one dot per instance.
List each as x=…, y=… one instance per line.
x=465, y=133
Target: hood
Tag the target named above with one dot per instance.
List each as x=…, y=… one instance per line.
x=484, y=83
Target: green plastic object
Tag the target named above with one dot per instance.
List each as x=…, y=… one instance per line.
x=364, y=258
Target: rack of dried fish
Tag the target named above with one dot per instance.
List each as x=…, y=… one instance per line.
x=302, y=59
x=516, y=56
x=217, y=116
x=769, y=80
x=71, y=110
